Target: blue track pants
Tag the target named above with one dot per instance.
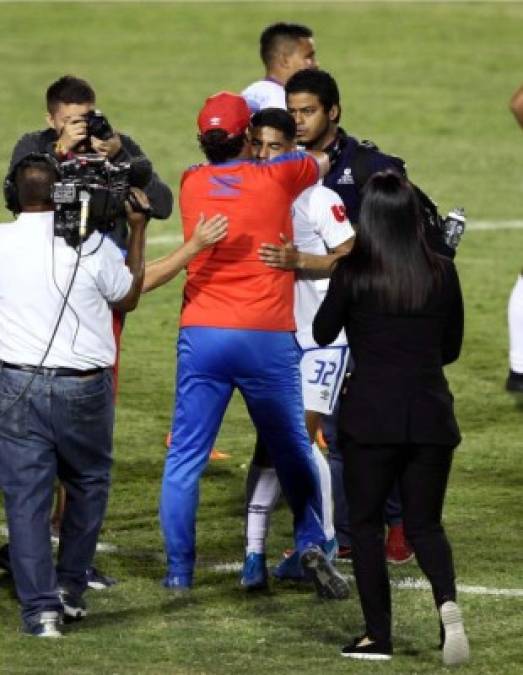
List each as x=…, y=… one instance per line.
x=264, y=366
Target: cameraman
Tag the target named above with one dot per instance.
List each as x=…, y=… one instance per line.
x=56, y=419
x=69, y=101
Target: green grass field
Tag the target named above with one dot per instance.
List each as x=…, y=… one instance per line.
x=430, y=82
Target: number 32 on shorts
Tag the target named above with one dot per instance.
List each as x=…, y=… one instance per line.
x=324, y=371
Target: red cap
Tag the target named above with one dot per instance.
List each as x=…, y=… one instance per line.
x=225, y=111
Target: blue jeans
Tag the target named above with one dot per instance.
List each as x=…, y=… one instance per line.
x=61, y=427
x=264, y=366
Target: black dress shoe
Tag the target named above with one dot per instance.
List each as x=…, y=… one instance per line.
x=368, y=650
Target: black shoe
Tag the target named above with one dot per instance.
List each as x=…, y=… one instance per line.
x=328, y=582
x=74, y=606
x=514, y=382
x=45, y=625
x=5, y=562
x=456, y=648
x=369, y=650
x=99, y=581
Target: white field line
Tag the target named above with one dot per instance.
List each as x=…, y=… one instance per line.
x=472, y=226
x=408, y=583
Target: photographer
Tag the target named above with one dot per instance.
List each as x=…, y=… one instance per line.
x=74, y=128
x=70, y=105
x=57, y=351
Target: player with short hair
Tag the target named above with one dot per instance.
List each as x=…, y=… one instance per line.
x=285, y=48
x=321, y=234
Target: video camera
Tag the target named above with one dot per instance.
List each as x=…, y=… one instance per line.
x=92, y=192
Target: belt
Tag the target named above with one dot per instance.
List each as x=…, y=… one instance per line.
x=52, y=372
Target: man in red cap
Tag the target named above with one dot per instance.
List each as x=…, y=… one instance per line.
x=237, y=330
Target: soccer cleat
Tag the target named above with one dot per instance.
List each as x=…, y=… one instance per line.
x=344, y=553
x=97, y=580
x=289, y=568
x=75, y=608
x=368, y=650
x=5, y=562
x=180, y=583
x=327, y=580
x=456, y=648
x=514, y=382
x=254, y=574
x=45, y=625
x=397, y=549
x=217, y=455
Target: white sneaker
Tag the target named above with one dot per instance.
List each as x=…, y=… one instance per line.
x=456, y=648
x=46, y=625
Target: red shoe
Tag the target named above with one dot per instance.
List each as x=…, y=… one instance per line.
x=397, y=548
x=344, y=553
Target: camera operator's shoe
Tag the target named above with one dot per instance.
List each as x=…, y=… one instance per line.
x=5, y=562
x=514, y=382
x=75, y=608
x=397, y=549
x=456, y=648
x=99, y=581
x=254, y=575
x=327, y=580
x=45, y=625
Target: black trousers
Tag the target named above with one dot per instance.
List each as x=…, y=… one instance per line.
x=369, y=474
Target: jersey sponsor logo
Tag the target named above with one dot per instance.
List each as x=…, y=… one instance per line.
x=346, y=178
x=339, y=212
x=225, y=185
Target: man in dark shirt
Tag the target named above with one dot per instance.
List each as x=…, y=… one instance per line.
x=313, y=100
x=68, y=101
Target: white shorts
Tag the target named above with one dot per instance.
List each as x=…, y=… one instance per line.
x=322, y=373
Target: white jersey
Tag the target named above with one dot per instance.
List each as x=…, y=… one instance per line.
x=35, y=272
x=264, y=94
x=319, y=224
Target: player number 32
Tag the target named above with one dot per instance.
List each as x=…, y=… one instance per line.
x=323, y=372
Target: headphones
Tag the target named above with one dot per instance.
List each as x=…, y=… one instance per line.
x=10, y=188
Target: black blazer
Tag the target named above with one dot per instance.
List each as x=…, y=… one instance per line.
x=397, y=392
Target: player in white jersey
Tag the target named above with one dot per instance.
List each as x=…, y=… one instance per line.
x=285, y=48
x=321, y=234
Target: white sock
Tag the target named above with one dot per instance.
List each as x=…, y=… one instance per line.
x=515, y=326
x=326, y=491
x=263, y=491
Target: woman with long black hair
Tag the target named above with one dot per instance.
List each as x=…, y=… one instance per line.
x=402, y=308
